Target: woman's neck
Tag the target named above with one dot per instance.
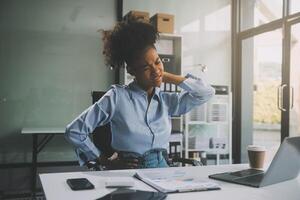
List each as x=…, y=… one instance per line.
x=149, y=90
x=150, y=93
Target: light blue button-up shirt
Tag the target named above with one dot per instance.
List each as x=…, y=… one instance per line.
x=136, y=125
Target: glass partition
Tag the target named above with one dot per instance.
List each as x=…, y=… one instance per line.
x=294, y=80
x=261, y=78
x=294, y=6
x=257, y=12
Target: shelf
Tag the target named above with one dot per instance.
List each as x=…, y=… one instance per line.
x=176, y=117
x=169, y=35
x=206, y=123
x=196, y=122
x=208, y=128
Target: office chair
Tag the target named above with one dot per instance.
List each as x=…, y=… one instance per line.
x=102, y=140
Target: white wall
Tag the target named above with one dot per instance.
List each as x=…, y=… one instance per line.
x=50, y=60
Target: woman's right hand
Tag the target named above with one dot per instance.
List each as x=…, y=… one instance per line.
x=172, y=78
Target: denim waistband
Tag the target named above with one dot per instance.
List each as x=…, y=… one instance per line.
x=143, y=157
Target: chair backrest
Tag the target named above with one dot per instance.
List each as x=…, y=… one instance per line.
x=102, y=134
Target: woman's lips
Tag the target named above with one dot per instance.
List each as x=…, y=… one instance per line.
x=157, y=78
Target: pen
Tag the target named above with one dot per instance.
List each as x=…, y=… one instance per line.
x=197, y=189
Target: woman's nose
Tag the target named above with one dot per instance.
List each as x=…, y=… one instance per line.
x=155, y=70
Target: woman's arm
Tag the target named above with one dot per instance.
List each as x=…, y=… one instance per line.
x=172, y=78
x=77, y=132
x=196, y=91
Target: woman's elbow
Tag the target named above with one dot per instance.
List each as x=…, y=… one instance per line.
x=206, y=93
x=74, y=134
x=67, y=132
x=211, y=92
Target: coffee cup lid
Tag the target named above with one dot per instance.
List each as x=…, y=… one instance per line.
x=256, y=148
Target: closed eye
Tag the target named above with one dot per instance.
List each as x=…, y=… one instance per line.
x=148, y=67
x=158, y=61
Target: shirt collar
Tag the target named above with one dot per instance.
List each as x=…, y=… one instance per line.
x=137, y=89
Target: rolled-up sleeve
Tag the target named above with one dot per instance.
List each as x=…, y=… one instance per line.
x=77, y=132
x=196, y=91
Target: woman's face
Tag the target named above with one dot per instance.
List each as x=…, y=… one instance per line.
x=148, y=69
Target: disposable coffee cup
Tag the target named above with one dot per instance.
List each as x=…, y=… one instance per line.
x=256, y=156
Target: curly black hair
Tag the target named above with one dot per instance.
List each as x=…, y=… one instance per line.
x=127, y=41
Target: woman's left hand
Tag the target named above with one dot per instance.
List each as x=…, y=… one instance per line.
x=115, y=162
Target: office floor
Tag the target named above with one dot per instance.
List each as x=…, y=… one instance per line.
x=18, y=182
x=14, y=197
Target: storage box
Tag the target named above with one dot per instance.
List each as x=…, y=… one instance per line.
x=140, y=15
x=164, y=23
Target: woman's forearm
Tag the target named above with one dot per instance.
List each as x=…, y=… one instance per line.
x=172, y=78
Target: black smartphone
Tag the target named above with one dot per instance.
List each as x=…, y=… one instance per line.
x=130, y=194
x=80, y=184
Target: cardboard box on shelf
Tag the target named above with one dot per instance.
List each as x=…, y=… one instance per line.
x=140, y=15
x=164, y=23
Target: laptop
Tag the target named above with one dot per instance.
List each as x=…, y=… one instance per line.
x=284, y=166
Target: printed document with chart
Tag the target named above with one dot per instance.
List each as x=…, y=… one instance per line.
x=174, y=181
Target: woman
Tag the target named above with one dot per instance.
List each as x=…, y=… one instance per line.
x=139, y=113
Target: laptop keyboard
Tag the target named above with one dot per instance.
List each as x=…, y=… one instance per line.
x=250, y=177
x=246, y=172
x=253, y=179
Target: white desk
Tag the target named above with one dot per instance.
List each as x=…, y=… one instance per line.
x=55, y=186
x=38, y=145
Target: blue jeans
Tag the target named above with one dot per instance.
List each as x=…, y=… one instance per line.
x=153, y=158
